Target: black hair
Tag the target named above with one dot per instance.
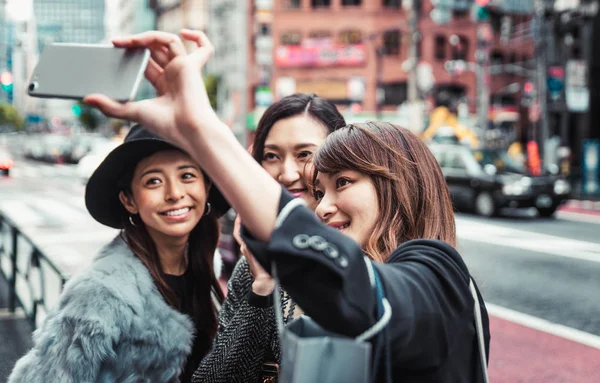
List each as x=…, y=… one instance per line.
x=316, y=107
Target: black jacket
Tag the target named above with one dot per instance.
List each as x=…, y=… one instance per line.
x=432, y=332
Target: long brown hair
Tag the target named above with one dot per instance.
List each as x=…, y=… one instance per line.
x=414, y=201
x=202, y=244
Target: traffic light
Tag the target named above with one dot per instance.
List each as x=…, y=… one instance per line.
x=6, y=81
x=480, y=11
x=529, y=94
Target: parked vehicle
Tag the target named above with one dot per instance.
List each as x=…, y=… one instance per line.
x=485, y=181
x=6, y=161
x=88, y=163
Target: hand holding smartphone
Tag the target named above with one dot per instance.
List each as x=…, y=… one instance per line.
x=73, y=71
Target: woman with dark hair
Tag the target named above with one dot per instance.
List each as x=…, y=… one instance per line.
x=380, y=194
x=246, y=348
x=145, y=310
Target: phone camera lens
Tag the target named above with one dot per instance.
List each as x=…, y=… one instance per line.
x=33, y=86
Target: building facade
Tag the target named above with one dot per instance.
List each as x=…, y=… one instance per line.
x=69, y=21
x=227, y=30
x=355, y=53
x=173, y=15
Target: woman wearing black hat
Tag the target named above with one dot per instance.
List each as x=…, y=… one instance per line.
x=145, y=309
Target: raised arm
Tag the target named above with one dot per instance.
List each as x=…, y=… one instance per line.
x=182, y=114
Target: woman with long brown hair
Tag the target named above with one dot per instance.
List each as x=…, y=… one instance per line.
x=145, y=310
x=380, y=194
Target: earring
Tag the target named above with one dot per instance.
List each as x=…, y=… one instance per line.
x=131, y=220
x=207, y=210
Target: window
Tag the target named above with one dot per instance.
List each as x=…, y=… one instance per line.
x=461, y=49
x=394, y=93
x=351, y=2
x=321, y=3
x=350, y=37
x=392, y=3
x=291, y=38
x=319, y=35
x=497, y=58
x=440, y=48
x=391, y=42
x=292, y=4
x=454, y=160
x=264, y=29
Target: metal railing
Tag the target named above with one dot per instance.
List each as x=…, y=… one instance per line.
x=35, y=282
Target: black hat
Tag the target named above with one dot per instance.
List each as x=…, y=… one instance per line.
x=103, y=187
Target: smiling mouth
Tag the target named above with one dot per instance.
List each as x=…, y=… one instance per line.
x=297, y=192
x=340, y=227
x=177, y=212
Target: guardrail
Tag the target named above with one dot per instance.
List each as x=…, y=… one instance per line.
x=35, y=282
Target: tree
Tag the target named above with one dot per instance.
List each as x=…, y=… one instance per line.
x=88, y=117
x=10, y=116
x=212, y=84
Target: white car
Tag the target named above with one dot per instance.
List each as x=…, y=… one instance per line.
x=88, y=163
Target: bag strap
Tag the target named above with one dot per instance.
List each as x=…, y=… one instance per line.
x=384, y=307
x=479, y=327
x=277, y=301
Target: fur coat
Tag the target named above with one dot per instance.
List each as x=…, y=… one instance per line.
x=110, y=325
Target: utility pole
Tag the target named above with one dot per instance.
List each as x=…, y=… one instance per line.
x=540, y=41
x=482, y=58
x=413, y=57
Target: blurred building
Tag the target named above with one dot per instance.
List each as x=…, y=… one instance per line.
x=119, y=18
x=227, y=69
x=80, y=21
x=354, y=52
x=173, y=15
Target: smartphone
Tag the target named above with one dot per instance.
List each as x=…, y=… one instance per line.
x=73, y=71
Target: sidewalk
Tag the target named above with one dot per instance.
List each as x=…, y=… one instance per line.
x=523, y=354
x=15, y=334
x=581, y=207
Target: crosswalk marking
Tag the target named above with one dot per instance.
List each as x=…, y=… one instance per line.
x=540, y=324
x=478, y=231
x=55, y=209
x=21, y=213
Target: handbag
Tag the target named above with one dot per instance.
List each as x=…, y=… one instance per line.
x=311, y=354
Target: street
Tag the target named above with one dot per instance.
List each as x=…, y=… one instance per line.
x=539, y=277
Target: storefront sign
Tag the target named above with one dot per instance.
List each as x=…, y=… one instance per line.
x=320, y=55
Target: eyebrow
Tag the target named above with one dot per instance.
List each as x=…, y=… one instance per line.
x=317, y=182
x=296, y=147
x=154, y=170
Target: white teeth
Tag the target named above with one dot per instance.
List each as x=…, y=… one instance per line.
x=343, y=226
x=178, y=211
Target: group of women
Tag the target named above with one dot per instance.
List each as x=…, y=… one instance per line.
x=314, y=196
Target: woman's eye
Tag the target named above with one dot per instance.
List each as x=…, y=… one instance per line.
x=304, y=155
x=341, y=182
x=318, y=194
x=152, y=181
x=269, y=156
x=188, y=176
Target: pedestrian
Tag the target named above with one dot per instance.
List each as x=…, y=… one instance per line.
x=246, y=348
x=380, y=193
x=145, y=309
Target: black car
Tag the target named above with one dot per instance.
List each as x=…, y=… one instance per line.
x=485, y=181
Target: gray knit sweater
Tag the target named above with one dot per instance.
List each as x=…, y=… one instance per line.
x=247, y=335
